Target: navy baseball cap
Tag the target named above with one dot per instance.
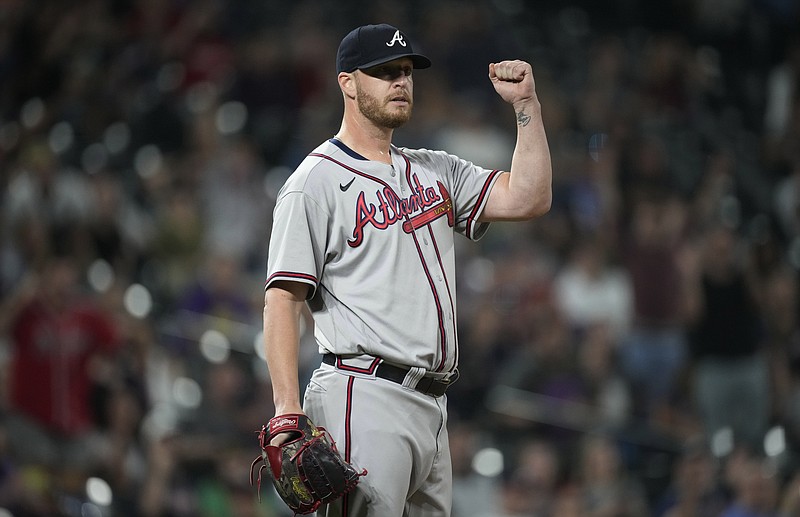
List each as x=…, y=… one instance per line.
x=371, y=45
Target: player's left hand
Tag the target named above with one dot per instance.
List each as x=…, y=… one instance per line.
x=513, y=81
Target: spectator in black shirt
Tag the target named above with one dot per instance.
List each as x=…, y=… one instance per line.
x=730, y=382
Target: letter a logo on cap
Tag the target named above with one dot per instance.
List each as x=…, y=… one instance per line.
x=397, y=38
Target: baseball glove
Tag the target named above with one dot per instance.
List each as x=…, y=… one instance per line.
x=307, y=470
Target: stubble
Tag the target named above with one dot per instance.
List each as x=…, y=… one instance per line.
x=378, y=113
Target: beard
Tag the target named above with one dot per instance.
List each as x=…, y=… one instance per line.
x=378, y=114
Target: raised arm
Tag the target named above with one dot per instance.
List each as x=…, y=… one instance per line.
x=525, y=192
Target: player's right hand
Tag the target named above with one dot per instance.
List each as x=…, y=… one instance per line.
x=282, y=438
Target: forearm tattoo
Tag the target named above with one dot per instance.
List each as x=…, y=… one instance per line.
x=523, y=119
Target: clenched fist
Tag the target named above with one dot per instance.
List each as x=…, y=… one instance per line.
x=513, y=81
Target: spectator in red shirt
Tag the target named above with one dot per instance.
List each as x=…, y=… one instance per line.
x=61, y=345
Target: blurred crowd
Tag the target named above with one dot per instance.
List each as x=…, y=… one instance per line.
x=636, y=352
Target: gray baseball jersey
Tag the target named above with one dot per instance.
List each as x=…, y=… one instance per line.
x=375, y=242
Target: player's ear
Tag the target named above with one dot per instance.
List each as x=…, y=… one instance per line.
x=347, y=83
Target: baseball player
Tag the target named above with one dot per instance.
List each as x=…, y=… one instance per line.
x=364, y=236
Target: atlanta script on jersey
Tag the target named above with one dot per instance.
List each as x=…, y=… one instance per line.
x=355, y=229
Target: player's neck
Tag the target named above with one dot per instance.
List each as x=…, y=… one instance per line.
x=371, y=142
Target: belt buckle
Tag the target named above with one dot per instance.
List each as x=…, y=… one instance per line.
x=425, y=384
x=453, y=377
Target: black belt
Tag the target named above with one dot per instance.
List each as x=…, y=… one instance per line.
x=427, y=385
